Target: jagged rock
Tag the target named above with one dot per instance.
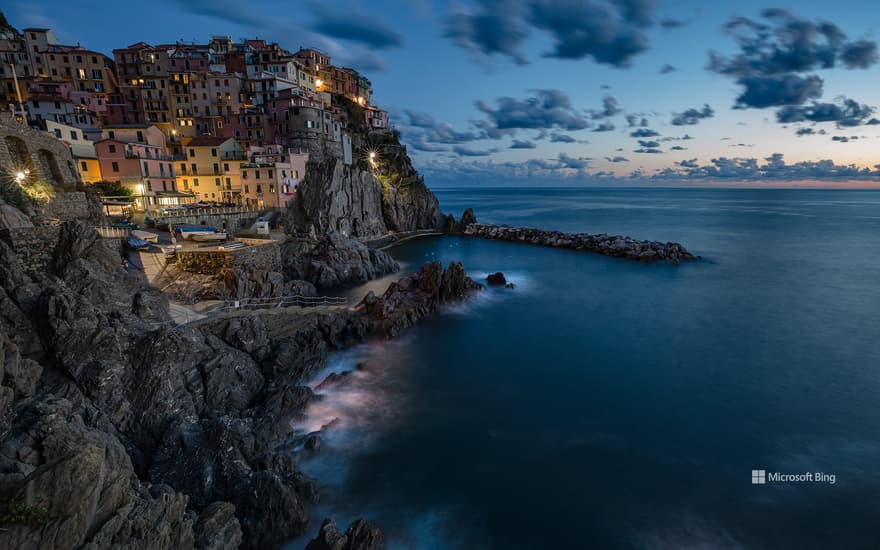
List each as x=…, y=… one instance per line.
x=299, y=288
x=364, y=200
x=467, y=218
x=334, y=197
x=360, y=535
x=496, y=279
x=217, y=528
x=12, y=218
x=334, y=260
x=83, y=481
x=97, y=395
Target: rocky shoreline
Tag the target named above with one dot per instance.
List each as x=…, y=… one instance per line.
x=116, y=430
x=616, y=246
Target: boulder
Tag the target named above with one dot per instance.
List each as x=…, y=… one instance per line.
x=334, y=260
x=496, y=279
x=360, y=535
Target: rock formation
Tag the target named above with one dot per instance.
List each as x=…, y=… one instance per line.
x=366, y=199
x=360, y=535
x=334, y=260
x=616, y=246
x=117, y=429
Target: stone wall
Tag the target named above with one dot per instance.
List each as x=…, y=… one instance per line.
x=34, y=245
x=259, y=255
x=24, y=148
x=68, y=206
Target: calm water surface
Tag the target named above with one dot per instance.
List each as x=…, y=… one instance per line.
x=609, y=404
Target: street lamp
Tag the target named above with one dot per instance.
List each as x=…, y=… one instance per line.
x=20, y=176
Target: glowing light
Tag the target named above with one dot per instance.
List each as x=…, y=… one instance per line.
x=319, y=83
x=20, y=176
x=372, y=155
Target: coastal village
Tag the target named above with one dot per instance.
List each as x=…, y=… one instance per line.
x=149, y=380
x=222, y=122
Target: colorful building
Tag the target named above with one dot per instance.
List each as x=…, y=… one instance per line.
x=209, y=168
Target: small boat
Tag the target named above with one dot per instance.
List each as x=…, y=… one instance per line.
x=172, y=249
x=231, y=246
x=187, y=232
x=137, y=244
x=145, y=236
x=209, y=237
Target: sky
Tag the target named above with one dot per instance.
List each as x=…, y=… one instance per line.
x=567, y=92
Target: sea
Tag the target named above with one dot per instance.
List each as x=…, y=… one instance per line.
x=732, y=402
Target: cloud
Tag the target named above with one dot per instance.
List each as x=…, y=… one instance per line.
x=496, y=28
x=561, y=138
x=692, y=116
x=617, y=159
x=633, y=121
x=564, y=166
x=363, y=27
x=666, y=69
x=604, y=127
x=776, y=91
x=670, y=23
x=773, y=168
x=643, y=133
x=847, y=113
x=775, y=53
x=548, y=109
x=648, y=151
x=465, y=152
x=522, y=144
x=649, y=144
x=677, y=148
x=609, y=109
x=423, y=128
x=692, y=163
x=844, y=139
x=610, y=32
x=804, y=132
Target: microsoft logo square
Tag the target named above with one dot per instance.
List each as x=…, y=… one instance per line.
x=759, y=477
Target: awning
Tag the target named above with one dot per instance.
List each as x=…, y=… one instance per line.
x=174, y=194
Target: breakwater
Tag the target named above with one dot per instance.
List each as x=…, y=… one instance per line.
x=617, y=246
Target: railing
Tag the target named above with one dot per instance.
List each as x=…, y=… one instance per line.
x=110, y=232
x=283, y=301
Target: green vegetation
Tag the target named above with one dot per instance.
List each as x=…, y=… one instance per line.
x=14, y=511
x=111, y=189
x=39, y=192
x=13, y=195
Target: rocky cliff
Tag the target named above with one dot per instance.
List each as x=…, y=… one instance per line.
x=366, y=199
x=120, y=430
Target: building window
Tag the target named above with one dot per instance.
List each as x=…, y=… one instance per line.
x=84, y=165
x=192, y=153
x=195, y=182
x=111, y=148
x=213, y=152
x=57, y=132
x=73, y=135
x=112, y=134
x=183, y=168
x=140, y=136
x=115, y=166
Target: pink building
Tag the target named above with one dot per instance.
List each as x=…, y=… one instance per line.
x=144, y=168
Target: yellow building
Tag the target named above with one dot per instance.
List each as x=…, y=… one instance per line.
x=210, y=168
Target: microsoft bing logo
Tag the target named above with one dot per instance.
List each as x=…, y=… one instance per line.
x=759, y=477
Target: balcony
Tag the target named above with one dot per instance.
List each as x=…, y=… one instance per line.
x=234, y=156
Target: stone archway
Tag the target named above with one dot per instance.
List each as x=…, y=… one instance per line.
x=50, y=167
x=19, y=153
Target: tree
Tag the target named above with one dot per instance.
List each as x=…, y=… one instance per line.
x=111, y=189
